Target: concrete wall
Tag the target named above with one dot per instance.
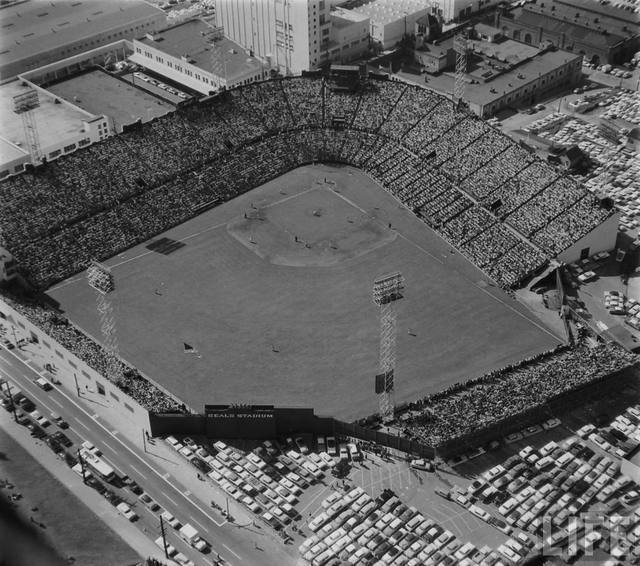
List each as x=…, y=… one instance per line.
x=73, y=373
x=601, y=239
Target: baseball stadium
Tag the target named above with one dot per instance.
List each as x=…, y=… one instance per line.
x=244, y=233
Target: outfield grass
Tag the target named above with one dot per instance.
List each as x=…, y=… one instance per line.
x=236, y=301
x=70, y=528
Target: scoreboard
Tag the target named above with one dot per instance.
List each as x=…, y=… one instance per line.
x=240, y=421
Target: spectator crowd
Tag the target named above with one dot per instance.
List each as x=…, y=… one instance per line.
x=467, y=407
x=487, y=196
x=500, y=206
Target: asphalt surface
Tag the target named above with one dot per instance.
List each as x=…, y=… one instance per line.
x=233, y=544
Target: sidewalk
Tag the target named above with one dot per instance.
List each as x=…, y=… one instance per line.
x=246, y=531
x=104, y=511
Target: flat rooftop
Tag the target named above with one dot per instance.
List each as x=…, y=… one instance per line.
x=55, y=122
x=99, y=93
x=34, y=27
x=9, y=152
x=520, y=75
x=387, y=11
x=193, y=39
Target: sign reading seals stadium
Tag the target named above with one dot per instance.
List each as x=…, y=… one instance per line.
x=240, y=421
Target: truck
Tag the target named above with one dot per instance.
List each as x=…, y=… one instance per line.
x=98, y=465
x=191, y=536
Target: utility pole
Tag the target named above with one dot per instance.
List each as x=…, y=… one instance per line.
x=13, y=405
x=164, y=537
x=75, y=378
x=84, y=473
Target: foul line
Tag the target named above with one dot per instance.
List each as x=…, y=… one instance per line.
x=188, y=237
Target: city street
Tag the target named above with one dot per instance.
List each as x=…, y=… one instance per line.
x=232, y=543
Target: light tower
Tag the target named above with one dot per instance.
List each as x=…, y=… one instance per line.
x=101, y=279
x=24, y=104
x=460, y=48
x=386, y=291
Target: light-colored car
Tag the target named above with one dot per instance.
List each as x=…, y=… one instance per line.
x=126, y=511
x=170, y=520
x=171, y=550
x=40, y=419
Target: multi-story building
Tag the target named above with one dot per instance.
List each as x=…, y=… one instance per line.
x=391, y=20
x=60, y=128
x=291, y=35
x=198, y=56
x=349, y=38
x=602, y=32
x=501, y=72
x=36, y=33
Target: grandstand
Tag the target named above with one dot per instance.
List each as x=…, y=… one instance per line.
x=111, y=196
x=492, y=201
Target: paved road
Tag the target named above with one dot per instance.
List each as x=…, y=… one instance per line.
x=235, y=545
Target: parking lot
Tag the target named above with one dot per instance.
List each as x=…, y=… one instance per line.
x=495, y=506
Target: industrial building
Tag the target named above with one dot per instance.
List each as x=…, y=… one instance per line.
x=198, y=56
x=38, y=33
x=60, y=128
x=500, y=72
x=391, y=20
x=601, y=32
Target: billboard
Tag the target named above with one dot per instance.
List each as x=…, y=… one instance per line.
x=240, y=421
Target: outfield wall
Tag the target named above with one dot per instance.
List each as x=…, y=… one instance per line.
x=284, y=421
x=74, y=375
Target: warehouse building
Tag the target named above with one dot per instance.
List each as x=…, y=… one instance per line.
x=38, y=33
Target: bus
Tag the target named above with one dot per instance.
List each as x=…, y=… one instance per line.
x=97, y=465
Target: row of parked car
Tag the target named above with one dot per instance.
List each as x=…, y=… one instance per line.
x=267, y=481
x=555, y=483
x=355, y=528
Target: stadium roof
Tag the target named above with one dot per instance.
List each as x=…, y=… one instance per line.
x=99, y=93
x=54, y=121
x=35, y=27
x=194, y=40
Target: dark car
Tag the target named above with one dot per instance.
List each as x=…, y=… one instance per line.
x=27, y=404
x=621, y=436
x=7, y=405
x=36, y=430
x=62, y=438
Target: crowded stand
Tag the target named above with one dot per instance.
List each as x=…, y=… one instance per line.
x=558, y=234
x=110, y=196
x=457, y=140
x=463, y=163
x=339, y=108
x=270, y=103
x=498, y=171
x=376, y=103
x=476, y=404
x=413, y=105
x=305, y=99
x=73, y=340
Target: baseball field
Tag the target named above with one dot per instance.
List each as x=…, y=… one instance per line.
x=273, y=293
